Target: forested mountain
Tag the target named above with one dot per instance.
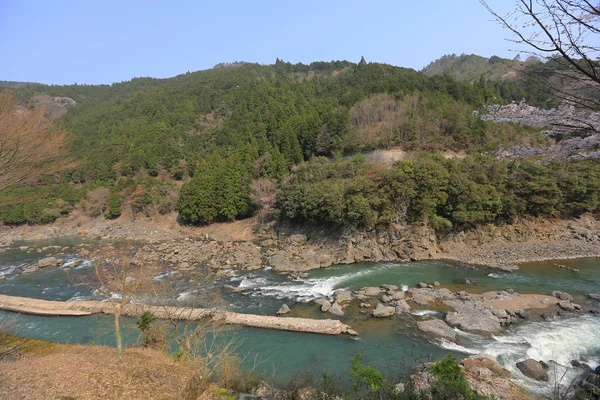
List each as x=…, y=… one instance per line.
x=514, y=79
x=218, y=131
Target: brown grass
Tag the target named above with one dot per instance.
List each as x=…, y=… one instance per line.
x=57, y=371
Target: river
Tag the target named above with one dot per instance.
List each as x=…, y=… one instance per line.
x=391, y=345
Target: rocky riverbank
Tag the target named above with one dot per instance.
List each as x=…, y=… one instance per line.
x=250, y=244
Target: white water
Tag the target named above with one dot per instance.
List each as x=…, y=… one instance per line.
x=560, y=341
x=299, y=289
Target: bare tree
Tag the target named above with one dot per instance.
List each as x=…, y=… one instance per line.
x=565, y=33
x=29, y=144
x=117, y=280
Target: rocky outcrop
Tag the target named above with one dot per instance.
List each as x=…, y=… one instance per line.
x=533, y=369
x=486, y=376
x=589, y=388
x=594, y=296
x=562, y=295
x=474, y=320
x=438, y=328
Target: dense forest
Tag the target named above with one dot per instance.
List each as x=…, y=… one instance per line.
x=198, y=143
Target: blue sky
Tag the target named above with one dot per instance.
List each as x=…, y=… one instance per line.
x=105, y=41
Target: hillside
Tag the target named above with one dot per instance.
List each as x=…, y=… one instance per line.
x=216, y=145
x=469, y=68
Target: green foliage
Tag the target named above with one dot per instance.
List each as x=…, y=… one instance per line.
x=114, y=206
x=145, y=321
x=219, y=190
x=452, y=383
x=365, y=377
x=448, y=195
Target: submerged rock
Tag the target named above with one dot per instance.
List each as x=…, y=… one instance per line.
x=438, y=328
x=594, y=296
x=533, y=369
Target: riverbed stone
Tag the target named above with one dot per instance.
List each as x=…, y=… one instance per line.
x=342, y=295
x=438, y=328
x=336, y=309
x=594, y=296
x=385, y=298
x=562, y=295
x=381, y=310
x=49, y=262
x=533, y=369
x=473, y=318
x=370, y=291
x=284, y=309
x=389, y=288
x=325, y=306
x=401, y=307
x=398, y=295
x=566, y=305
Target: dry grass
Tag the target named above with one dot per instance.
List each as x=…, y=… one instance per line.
x=55, y=371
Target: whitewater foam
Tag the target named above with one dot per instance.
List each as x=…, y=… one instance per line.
x=560, y=341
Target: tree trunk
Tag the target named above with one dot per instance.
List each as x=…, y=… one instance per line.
x=118, y=334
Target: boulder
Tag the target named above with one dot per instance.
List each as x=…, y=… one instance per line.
x=51, y=262
x=370, y=291
x=398, y=295
x=385, y=298
x=474, y=320
x=325, y=306
x=561, y=295
x=533, y=369
x=389, y=288
x=383, y=311
x=342, y=295
x=594, y=296
x=336, y=309
x=421, y=285
x=401, y=307
x=283, y=310
x=438, y=328
x=566, y=305
x=422, y=381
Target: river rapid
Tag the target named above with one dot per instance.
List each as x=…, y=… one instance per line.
x=392, y=345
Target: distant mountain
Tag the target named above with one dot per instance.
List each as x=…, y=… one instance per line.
x=471, y=67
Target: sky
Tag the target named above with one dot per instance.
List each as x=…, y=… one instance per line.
x=106, y=41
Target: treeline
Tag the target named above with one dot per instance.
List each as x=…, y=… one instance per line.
x=444, y=193
x=220, y=129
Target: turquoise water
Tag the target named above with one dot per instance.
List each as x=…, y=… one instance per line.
x=391, y=345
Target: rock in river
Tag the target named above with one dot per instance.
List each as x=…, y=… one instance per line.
x=283, y=310
x=336, y=309
x=402, y=307
x=383, y=311
x=438, y=328
x=52, y=262
x=533, y=369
